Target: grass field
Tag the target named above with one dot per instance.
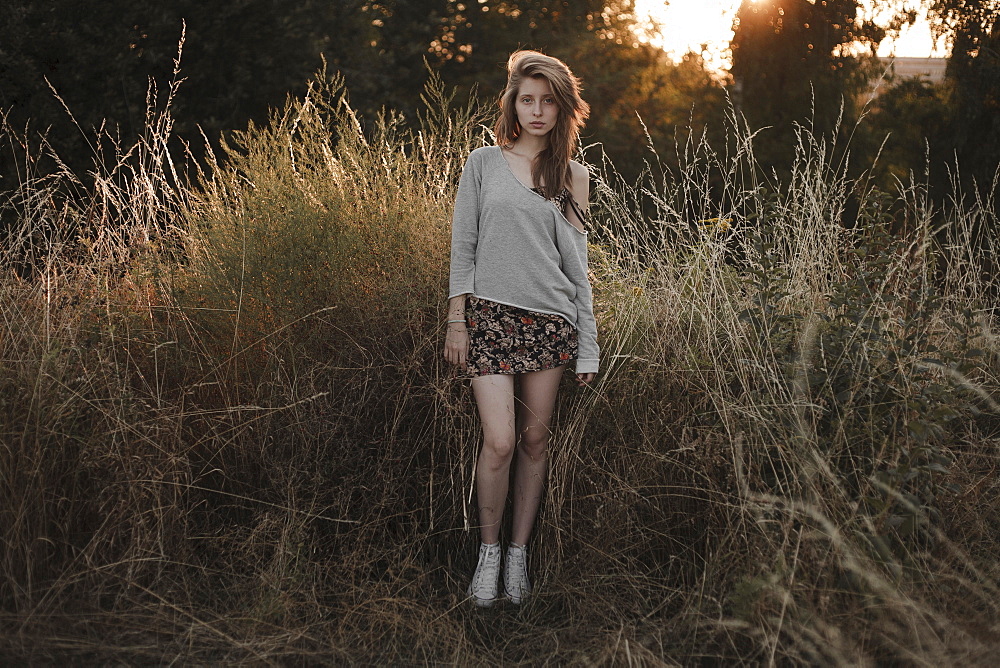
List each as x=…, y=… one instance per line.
x=228, y=434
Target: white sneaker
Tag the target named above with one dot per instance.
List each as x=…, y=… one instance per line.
x=515, y=574
x=483, y=588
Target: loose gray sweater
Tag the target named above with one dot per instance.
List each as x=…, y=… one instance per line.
x=512, y=246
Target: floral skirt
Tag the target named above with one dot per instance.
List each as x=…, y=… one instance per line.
x=507, y=339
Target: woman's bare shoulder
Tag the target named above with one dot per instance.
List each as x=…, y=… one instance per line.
x=579, y=182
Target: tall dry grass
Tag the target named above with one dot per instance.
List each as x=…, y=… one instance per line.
x=228, y=434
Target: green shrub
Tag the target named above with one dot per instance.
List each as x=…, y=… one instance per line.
x=871, y=367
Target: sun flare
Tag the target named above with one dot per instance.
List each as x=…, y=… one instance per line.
x=706, y=27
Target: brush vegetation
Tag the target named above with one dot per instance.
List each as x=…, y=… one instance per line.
x=228, y=434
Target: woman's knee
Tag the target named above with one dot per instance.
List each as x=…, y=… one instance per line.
x=498, y=449
x=534, y=443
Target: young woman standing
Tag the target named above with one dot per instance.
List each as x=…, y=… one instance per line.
x=520, y=301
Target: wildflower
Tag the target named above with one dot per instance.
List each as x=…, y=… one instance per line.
x=716, y=224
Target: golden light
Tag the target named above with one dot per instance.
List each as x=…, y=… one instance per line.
x=706, y=27
x=702, y=26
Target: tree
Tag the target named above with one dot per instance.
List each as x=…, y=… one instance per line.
x=793, y=63
x=399, y=50
x=241, y=58
x=641, y=90
x=623, y=78
x=973, y=29
x=479, y=35
x=908, y=124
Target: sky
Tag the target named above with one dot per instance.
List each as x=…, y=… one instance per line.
x=687, y=24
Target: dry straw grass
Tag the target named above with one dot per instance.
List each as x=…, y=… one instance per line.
x=228, y=435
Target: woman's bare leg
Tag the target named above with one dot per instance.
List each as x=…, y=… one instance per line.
x=495, y=400
x=536, y=401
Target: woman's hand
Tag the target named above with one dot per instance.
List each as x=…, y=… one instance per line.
x=585, y=379
x=456, y=343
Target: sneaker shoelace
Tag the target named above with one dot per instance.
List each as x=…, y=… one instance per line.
x=489, y=566
x=517, y=579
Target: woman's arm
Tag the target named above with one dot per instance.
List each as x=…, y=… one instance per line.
x=464, y=240
x=465, y=228
x=580, y=191
x=456, y=341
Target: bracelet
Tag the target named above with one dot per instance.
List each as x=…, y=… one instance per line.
x=461, y=321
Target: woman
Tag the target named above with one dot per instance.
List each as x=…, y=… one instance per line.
x=520, y=302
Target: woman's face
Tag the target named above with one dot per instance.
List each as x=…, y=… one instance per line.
x=536, y=107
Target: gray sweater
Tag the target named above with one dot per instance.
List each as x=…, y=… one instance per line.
x=511, y=245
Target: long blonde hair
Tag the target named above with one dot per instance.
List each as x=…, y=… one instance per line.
x=551, y=168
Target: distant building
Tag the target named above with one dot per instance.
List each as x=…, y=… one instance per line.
x=894, y=69
x=931, y=69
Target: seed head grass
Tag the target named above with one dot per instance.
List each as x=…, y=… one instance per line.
x=228, y=433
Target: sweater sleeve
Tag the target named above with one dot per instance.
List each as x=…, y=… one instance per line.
x=573, y=249
x=465, y=230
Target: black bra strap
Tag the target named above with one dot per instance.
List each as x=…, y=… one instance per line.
x=576, y=209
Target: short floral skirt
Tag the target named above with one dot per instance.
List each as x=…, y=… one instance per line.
x=506, y=339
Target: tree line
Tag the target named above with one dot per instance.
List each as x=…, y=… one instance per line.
x=794, y=61
x=812, y=62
